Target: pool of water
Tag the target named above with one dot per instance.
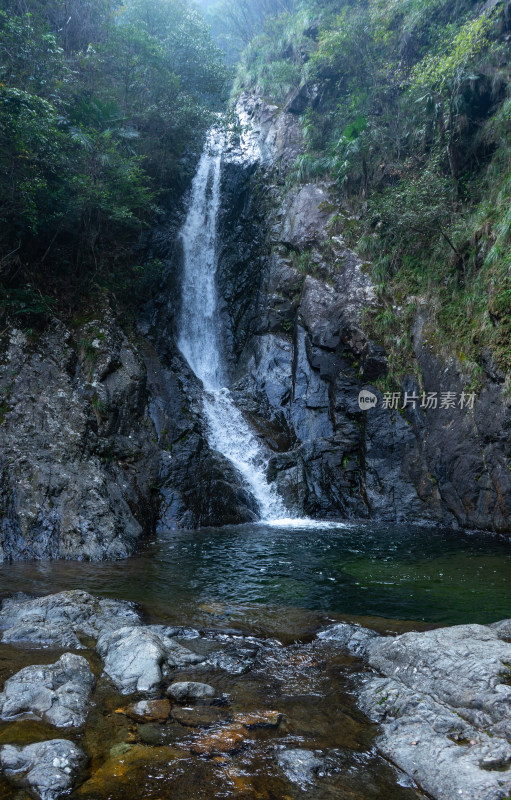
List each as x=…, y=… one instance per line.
x=399, y=572
x=277, y=585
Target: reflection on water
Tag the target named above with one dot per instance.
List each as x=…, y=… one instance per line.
x=399, y=572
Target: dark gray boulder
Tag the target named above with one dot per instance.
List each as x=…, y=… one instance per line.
x=59, y=620
x=137, y=658
x=57, y=693
x=46, y=769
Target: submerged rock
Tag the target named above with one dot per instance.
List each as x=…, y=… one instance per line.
x=444, y=702
x=237, y=656
x=229, y=739
x=300, y=766
x=190, y=691
x=136, y=658
x=201, y=716
x=58, y=620
x=259, y=719
x=48, y=769
x=58, y=693
x=126, y=772
x=147, y=711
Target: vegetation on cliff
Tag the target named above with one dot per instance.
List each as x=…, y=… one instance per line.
x=103, y=106
x=407, y=113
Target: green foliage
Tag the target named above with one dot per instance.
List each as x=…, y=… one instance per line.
x=444, y=70
x=411, y=122
x=273, y=61
x=27, y=305
x=103, y=108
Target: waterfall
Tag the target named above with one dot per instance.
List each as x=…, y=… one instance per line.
x=200, y=334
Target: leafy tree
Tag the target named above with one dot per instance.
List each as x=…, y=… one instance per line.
x=103, y=109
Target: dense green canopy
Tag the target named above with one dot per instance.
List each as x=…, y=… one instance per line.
x=103, y=105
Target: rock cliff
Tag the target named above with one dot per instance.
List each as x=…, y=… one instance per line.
x=78, y=461
x=294, y=298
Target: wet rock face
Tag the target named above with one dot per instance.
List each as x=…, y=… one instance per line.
x=443, y=701
x=294, y=299
x=198, y=487
x=298, y=352
x=271, y=135
x=58, y=693
x=77, y=460
x=47, y=769
x=306, y=217
x=61, y=620
x=467, y=452
x=102, y=440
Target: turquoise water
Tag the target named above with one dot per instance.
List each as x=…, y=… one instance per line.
x=398, y=572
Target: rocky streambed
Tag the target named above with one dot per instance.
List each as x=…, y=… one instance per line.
x=100, y=700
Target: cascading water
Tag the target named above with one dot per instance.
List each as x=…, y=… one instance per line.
x=200, y=339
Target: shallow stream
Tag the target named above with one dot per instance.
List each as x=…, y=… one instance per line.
x=258, y=594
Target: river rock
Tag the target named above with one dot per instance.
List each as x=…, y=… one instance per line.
x=190, y=691
x=179, y=631
x=237, y=656
x=147, y=711
x=47, y=769
x=229, y=739
x=300, y=766
x=443, y=699
x=58, y=693
x=58, y=620
x=136, y=658
x=201, y=716
x=354, y=637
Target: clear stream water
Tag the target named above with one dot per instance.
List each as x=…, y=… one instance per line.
x=279, y=585
x=399, y=572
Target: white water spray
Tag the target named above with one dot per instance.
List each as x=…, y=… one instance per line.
x=200, y=337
